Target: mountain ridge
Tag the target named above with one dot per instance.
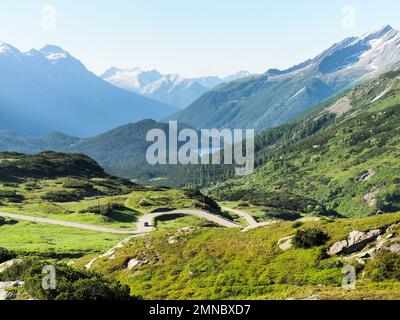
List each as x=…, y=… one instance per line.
x=275, y=97
x=171, y=89
x=50, y=90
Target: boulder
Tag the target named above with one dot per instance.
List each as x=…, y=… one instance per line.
x=136, y=263
x=285, y=243
x=4, y=286
x=7, y=264
x=395, y=248
x=355, y=242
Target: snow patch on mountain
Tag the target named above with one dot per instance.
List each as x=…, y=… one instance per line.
x=169, y=88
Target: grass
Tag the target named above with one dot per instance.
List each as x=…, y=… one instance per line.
x=255, y=211
x=211, y=263
x=136, y=203
x=28, y=238
x=170, y=222
x=148, y=201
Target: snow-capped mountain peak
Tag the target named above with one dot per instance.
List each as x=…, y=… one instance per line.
x=54, y=53
x=384, y=31
x=238, y=75
x=169, y=88
x=7, y=50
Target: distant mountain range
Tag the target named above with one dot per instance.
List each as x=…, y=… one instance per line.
x=276, y=97
x=171, y=89
x=50, y=90
x=121, y=150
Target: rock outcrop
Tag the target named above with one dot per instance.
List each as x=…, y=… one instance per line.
x=285, y=243
x=7, y=264
x=136, y=263
x=5, y=286
x=356, y=241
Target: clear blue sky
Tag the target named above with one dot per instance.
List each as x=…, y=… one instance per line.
x=191, y=37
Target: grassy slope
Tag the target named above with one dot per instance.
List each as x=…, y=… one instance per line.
x=225, y=264
x=69, y=186
x=54, y=241
x=22, y=190
x=328, y=166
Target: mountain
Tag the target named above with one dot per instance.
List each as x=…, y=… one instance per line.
x=10, y=141
x=343, y=153
x=275, y=97
x=121, y=150
x=170, y=89
x=50, y=90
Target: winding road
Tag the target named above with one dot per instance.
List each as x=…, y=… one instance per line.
x=252, y=223
x=144, y=224
x=64, y=223
x=249, y=219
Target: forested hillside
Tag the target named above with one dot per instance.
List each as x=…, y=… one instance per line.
x=345, y=155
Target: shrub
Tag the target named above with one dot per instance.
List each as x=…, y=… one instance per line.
x=297, y=224
x=4, y=221
x=206, y=201
x=385, y=266
x=72, y=183
x=71, y=284
x=6, y=255
x=104, y=210
x=60, y=196
x=309, y=238
x=51, y=208
x=11, y=196
x=285, y=215
x=390, y=200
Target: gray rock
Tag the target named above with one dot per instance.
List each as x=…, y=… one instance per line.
x=285, y=243
x=10, y=263
x=395, y=248
x=6, y=295
x=355, y=241
x=136, y=263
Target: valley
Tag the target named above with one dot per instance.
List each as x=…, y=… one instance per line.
x=78, y=194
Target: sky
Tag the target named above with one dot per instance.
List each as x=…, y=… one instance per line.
x=191, y=37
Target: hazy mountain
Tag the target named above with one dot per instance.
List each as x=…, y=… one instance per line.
x=121, y=150
x=10, y=141
x=277, y=96
x=49, y=90
x=170, y=89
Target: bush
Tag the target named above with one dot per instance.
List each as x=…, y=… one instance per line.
x=60, y=196
x=6, y=255
x=72, y=183
x=8, y=221
x=390, y=200
x=309, y=238
x=385, y=266
x=71, y=284
x=297, y=224
x=51, y=208
x=11, y=196
x=281, y=214
x=104, y=210
x=204, y=200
